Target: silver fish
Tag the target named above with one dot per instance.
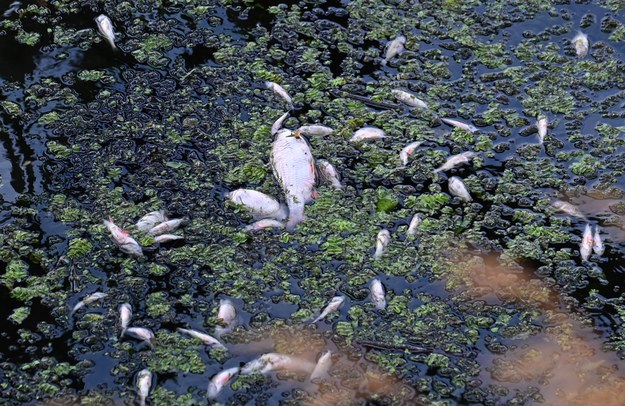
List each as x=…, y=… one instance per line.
x=273, y=361
x=409, y=98
x=368, y=134
x=278, y=123
x=258, y=204
x=456, y=160
x=165, y=227
x=263, y=224
x=381, y=243
x=541, y=125
x=335, y=303
x=568, y=208
x=378, y=294
x=407, y=151
x=203, y=337
x=122, y=238
x=144, y=383
x=586, y=246
x=394, y=48
x=217, y=382
x=581, y=44
x=322, y=367
x=316, y=130
x=141, y=333
x=459, y=189
x=328, y=174
x=294, y=167
x=151, y=219
x=414, y=224
x=105, y=27
x=597, y=245
x=455, y=123
x=227, y=314
x=94, y=297
x=163, y=238
x=279, y=90
x=125, y=314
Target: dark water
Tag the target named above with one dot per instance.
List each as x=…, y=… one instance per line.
x=171, y=121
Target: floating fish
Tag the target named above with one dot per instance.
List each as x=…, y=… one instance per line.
x=322, y=367
x=597, y=245
x=541, y=125
x=122, y=238
x=394, y=48
x=273, y=361
x=144, y=383
x=568, y=208
x=459, y=189
x=335, y=303
x=163, y=238
x=203, y=337
x=125, y=314
x=264, y=224
x=581, y=45
x=378, y=294
x=141, y=333
x=217, y=382
x=367, y=134
x=408, y=98
x=407, y=151
x=279, y=90
x=294, y=168
x=227, y=314
x=328, y=174
x=151, y=219
x=165, y=227
x=381, y=243
x=459, y=124
x=456, y=160
x=586, y=246
x=414, y=224
x=316, y=130
x=258, y=204
x=94, y=297
x=278, y=124
x=105, y=27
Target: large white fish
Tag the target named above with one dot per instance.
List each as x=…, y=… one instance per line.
x=459, y=124
x=408, y=98
x=294, y=168
x=378, y=294
x=328, y=174
x=335, y=303
x=586, y=246
x=217, y=382
x=279, y=90
x=105, y=27
x=541, y=125
x=459, y=189
x=581, y=44
x=456, y=160
x=125, y=314
x=227, y=315
x=394, y=48
x=94, y=297
x=122, y=238
x=144, y=383
x=367, y=134
x=322, y=367
x=203, y=337
x=597, y=243
x=274, y=361
x=258, y=204
x=316, y=130
x=381, y=243
x=407, y=151
x=151, y=219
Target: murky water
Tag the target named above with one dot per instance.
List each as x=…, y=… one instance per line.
x=489, y=304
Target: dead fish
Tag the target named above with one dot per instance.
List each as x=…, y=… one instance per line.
x=141, y=333
x=335, y=303
x=125, y=314
x=316, y=130
x=568, y=208
x=456, y=160
x=227, y=314
x=586, y=246
x=409, y=99
x=278, y=123
x=163, y=238
x=459, y=124
x=105, y=27
x=165, y=227
x=581, y=44
x=144, y=383
x=394, y=48
x=94, y=297
x=294, y=167
x=459, y=189
x=217, y=382
x=381, y=243
x=328, y=174
x=367, y=134
x=263, y=224
x=414, y=224
x=274, y=361
x=378, y=294
x=597, y=245
x=151, y=219
x=203, y=337
x=122, y=238
x=258, y=204
x=279, y=90
x=407, y=151
x=541, y=125
x=322, y=367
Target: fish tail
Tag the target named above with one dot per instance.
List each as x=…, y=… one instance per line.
x=296, y=216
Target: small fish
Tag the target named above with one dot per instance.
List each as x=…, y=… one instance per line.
x=105, y=27
x=274, y=361
x=316, y=130
x=278, y=124
x=165, y=227
x=586, y=246
x=407, y=151
x=455, y=123
x=279, y=90
x=125, y=314
x=94, y=297
x=124, y=241
x=367, y=134
x=328, y=174
x=322, y=367
x=144, y=383
x=541, y=125
x=597, y=245
x=378, y=294
x=141, y=333
x=163, y=238
x=409, y=99
x=568, y=208
x=264, y=224
x=217, y=382
x=414, y=224
x=258, y=204
x=381, y=242
x=335, y=303
x=151, y=219
x=581, y=45
x=227, y=314
x=456, y=160
x=203, y=337
x=459, y=189
x=394, y=48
